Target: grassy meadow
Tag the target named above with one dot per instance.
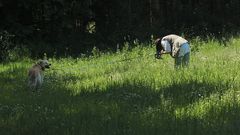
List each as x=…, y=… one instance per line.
x=126, y=93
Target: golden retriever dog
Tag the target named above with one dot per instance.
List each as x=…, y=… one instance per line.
x=35, y=74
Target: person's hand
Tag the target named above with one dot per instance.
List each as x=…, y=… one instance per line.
x=158, y=56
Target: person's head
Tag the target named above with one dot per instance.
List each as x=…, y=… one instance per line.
x=159, y=48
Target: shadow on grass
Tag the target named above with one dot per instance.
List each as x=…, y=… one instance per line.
x=126, y=108
x=185, y=93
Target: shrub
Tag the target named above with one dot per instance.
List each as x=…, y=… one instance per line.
x=5, y=45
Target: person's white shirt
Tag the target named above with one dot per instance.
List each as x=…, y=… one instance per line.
x=183, y=50
x=166, y=46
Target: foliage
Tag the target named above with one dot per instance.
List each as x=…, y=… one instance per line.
x=10, y=52
x=6, y=45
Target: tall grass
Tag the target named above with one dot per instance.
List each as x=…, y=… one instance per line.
x=128, y=92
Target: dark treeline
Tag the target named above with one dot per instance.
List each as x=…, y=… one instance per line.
x=74, y=26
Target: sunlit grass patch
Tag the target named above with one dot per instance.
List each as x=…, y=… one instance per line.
x=128, y=92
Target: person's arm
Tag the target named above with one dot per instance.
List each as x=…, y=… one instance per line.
x=164, y=52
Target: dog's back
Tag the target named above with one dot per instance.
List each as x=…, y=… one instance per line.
x=35, y=76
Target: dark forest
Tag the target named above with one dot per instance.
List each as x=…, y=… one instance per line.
x=76, y=26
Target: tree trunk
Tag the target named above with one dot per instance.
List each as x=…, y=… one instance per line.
x=157, y=13
x=129, y=13
x=150, y=13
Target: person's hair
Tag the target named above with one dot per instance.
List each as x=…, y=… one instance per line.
x=158, y=45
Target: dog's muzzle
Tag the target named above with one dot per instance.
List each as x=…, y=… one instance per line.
x=48, y=66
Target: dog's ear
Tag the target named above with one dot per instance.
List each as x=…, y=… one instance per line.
x=40, y=62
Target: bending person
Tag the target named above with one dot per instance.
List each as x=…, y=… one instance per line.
x=176, y=46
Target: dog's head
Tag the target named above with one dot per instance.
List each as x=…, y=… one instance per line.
x=44, y=64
